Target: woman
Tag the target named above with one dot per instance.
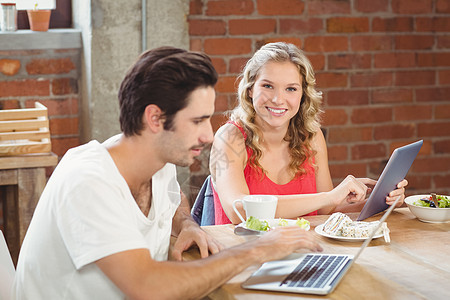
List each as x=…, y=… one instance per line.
x=273, y=143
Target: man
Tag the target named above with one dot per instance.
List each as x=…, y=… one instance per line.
x=102, y=227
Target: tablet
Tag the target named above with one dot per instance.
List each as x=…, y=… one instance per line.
x=395, y=171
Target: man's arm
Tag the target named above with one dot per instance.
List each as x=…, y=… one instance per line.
x=189, y=233
x=140, y=277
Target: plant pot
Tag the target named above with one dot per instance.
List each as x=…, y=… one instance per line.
x=39, y=19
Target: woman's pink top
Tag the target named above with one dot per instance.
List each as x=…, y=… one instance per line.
x=304, y=184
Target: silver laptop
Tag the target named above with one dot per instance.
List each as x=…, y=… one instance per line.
x=309, y=273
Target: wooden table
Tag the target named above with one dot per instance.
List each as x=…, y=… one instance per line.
x=22, y=180
x=415, y=265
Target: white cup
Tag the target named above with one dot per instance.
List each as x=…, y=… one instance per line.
x=258, y=206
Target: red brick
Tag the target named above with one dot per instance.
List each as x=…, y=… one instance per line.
x=347, y=25
x=217, y=121
x=442, y=6
x=368, y=151
x=329, y=80
x=226, y=84
x=341, y=170
x=417, y=182
x=195, y=7
x=433, y=129
x=221, y=103
x=370, y=6
x=236, y=65
x=207, y=27
x=442, y=112
x=442, y=181
x=433, y=94
x=291, y=40
x=63, y=126
x=395, y=60
x=60, y=145
x=301, y=26
x=57, y=107
x=225, y=46
x=9, y=104
x=9, y=67
x=412, y=6
x=336, y=153
x=27, y=87
x=397, y=24
x=229, y=7
x=371, y=43
x=326, y=43
x=371, y=115
x=252, y=26
x=435, y=24
x=413, y=112
x=392, y=96
x=220, y=65
x=414, y=42
x=328, y=7
x=435, y=59
x=408, y=78
x=444, y=77
x=347, y=97
x=50, y=66
x=443, y=42
x=349, y=61
x=441, y=147
x=334, y=117
x=350, y=134
x=395, y=131
x=431, y=164
x=317, y=61
x=371, y=79
x=280, y=7
x=64, y=86
x=196, y=45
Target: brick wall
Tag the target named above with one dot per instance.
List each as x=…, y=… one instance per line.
x=47, y=76
x=383, y=67
x=50, y=77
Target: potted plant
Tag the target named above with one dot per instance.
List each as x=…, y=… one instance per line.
x=39, y=18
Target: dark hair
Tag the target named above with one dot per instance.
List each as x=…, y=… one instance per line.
x=164, y=76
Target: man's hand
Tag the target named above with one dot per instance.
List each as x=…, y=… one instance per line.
x=193, y=235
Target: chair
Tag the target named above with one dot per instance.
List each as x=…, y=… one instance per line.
x=7, y=270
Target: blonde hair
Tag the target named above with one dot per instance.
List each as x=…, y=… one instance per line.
x=302, y=126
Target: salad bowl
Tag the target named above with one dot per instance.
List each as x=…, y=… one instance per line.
x=427, y=214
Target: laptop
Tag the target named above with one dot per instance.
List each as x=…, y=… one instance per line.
x=395, y=171
x=308, y=273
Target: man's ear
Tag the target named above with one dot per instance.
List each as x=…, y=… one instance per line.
x=153, y=118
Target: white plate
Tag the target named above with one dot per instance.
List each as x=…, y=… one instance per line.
x=319, y=230
x=273, y=223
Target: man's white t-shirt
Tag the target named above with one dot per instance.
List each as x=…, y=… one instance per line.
x=85, y=213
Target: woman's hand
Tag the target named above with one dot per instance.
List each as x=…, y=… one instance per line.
x=400, y=191
x=351, y=190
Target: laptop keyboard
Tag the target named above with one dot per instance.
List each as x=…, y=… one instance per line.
x=314, y=271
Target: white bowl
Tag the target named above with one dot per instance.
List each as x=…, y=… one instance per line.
x=427, y=214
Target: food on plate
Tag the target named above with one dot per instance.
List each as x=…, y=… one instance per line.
x=262, y=225
x=443, y=201
x=339, y=224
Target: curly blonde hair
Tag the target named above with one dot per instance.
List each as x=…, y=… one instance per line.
x=302, y=126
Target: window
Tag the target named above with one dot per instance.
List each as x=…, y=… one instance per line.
x=61, y=16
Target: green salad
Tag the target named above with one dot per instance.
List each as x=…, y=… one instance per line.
x=262, y=225
x=443, y=201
